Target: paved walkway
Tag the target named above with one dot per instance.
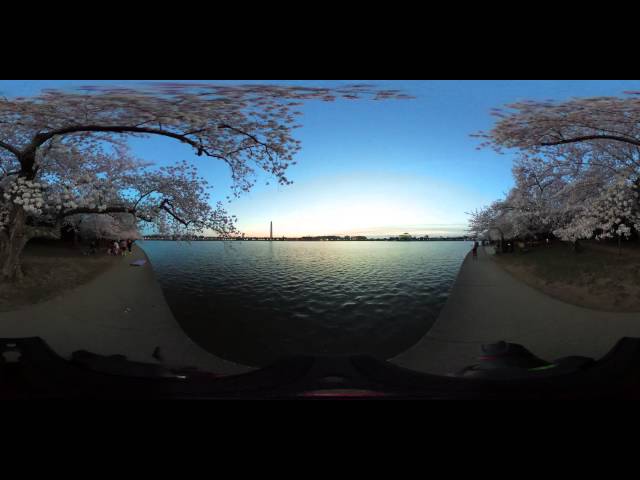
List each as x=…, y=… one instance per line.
x=122, y=311
x=487, y=304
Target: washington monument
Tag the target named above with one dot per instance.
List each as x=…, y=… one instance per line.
x=271, y=230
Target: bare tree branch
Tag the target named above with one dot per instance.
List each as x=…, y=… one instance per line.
x=10, y=148
x=591, y=137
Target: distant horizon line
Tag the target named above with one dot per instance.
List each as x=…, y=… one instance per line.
x=241, y=236
x=359, y=234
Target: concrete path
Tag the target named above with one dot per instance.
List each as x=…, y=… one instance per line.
x=122, y=311
x=487, y=304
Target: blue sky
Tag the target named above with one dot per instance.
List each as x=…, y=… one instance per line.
x=375, y=168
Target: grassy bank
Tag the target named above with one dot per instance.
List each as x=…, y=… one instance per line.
x=599, y=277
x=50, y=269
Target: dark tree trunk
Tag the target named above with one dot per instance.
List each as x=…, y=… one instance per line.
x=11, y=247
x=577, y=247
x=619, y=245
x=14, y=239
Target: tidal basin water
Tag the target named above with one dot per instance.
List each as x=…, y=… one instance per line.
x=255, y=302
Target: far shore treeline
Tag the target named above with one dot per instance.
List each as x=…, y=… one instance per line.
x=330, y=238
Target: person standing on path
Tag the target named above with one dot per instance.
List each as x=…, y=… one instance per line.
x=474, y=250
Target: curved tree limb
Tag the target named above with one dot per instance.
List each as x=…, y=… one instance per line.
x=585, y=138
x=10, y=148
x=41, y=138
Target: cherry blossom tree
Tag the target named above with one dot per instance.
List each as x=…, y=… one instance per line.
x=114, y=226
x=63, y=153
x=481, y=220
x=579, y=162
x=547, y=126
x=614, y=213
x=495, y=218
x=107, y=194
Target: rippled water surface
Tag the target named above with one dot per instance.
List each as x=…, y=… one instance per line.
x=253, y=302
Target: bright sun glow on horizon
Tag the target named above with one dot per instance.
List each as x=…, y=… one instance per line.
x=358, y=204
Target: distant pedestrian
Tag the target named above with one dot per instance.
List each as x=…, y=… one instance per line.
x=115, y=248
x=123, y=247
x=129, y=245
x=474, y=250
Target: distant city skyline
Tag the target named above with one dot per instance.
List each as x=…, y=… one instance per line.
x=380, y=232
x=403, y=236
x=373, y=168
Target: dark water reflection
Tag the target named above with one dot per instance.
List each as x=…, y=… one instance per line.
x=253, y=302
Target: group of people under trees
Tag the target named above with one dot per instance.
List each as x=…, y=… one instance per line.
x=122, y=247
x=116, y=247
